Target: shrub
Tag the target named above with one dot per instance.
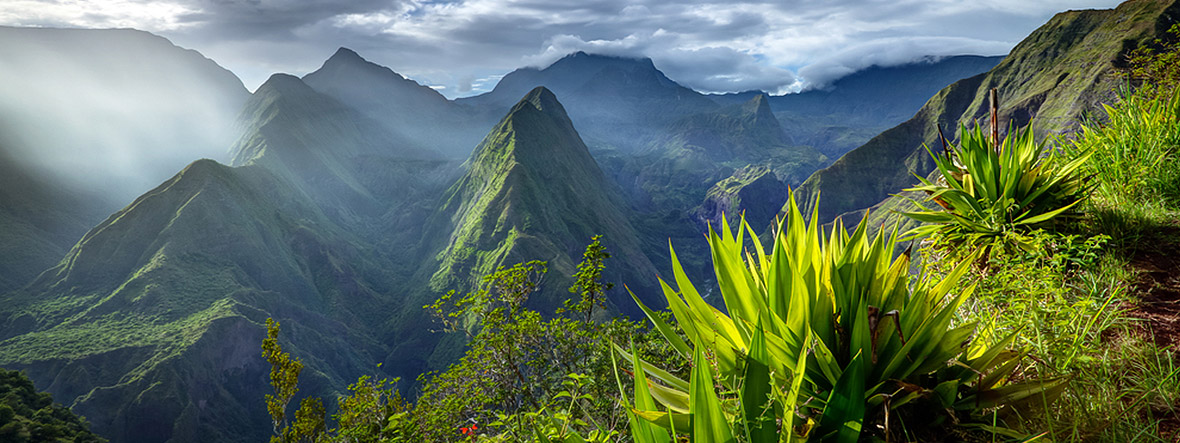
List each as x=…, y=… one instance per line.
x=515, y=378
x=991, y=195
x=836, y=323
x=1157, y=64
x=370, y=413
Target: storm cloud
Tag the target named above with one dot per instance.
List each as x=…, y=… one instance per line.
x=461, y=47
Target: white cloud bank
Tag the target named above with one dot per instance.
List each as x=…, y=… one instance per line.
x=458, y=46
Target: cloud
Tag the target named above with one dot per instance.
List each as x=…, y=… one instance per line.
x=892, y=52
x=141, y=14
x=715, y=46
x=723, y=69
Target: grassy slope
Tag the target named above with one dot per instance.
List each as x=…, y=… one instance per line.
x=1051, y=79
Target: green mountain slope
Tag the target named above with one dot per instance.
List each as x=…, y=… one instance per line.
x=83, y=116
x=532, y=191
x=150, y=325
x=1056, y=75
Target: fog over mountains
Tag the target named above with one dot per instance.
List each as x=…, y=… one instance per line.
x=153, y=213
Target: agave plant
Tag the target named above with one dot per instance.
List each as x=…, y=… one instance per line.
x=990, y=192
x=820, y=339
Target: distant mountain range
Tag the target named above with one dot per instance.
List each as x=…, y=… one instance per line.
x=854, y=108
x=341, y=202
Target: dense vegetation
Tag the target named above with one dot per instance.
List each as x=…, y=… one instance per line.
x=30, y=416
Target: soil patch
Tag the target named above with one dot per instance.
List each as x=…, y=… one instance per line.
x=1157, y=286
x=1158, y=289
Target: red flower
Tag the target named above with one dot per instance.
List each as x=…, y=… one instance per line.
x=469, y=430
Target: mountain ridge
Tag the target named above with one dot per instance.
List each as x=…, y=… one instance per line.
x=402, y=106
x=534, y=143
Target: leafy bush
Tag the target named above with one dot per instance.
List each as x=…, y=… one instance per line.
x=989, y=194
x=1051, y=294
x=522, y=378
x=1158, y=64
x=1068, y=297
x=514, y=380
x=30, y=416
x=839, y=323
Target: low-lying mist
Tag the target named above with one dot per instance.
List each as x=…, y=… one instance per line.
x=111, y=112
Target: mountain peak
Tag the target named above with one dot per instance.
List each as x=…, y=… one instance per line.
x=346, y=63
x=346, y=54
x=532, y=189
x=758, y=106
x=535, y=132
x=542, y=99
x=282, y=83
x=584, y=57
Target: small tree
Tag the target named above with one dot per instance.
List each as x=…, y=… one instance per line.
x=371, y=413
x=588, y=282
x=284, y=378
x=518, y=374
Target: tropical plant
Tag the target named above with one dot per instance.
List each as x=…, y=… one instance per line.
x=308, y=425
x=991, y=193
x=515, y=375
x=562, y=419
x=825, y=339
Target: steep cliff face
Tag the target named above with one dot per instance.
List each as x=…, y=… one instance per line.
x=1050, y=80
x=752, y=192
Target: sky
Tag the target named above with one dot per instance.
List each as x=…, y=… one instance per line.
x=462, y=47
